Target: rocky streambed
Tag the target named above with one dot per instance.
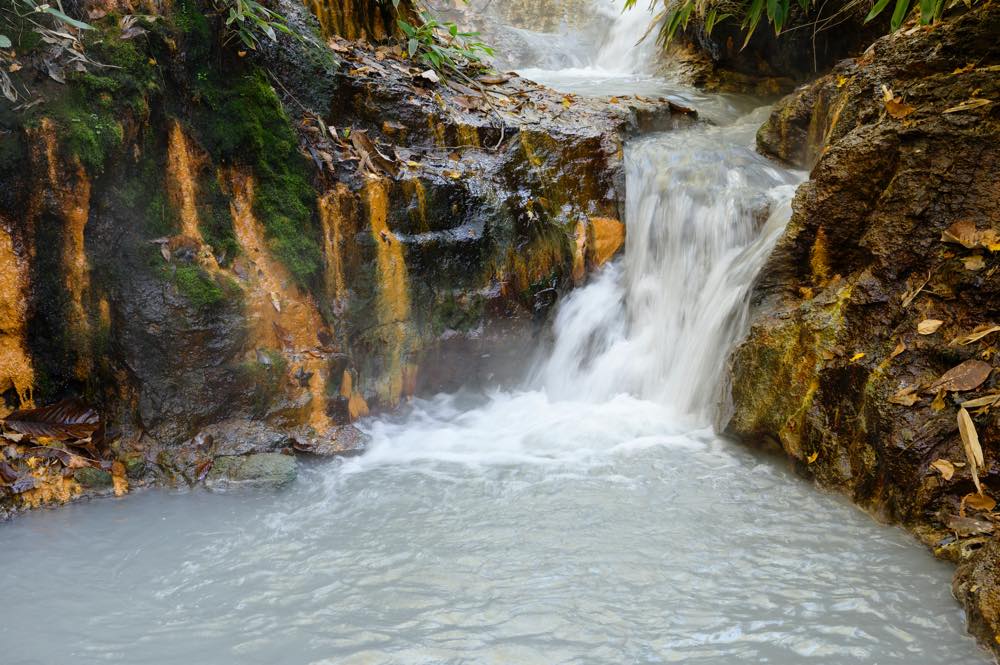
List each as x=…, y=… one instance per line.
x=223, y=260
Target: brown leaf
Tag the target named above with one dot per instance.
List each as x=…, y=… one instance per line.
x=905, y=396
x=201, y=471
x=963, y=233
x=493, y=79
x=944, y=467
x=371, y=157
x=968, y=376
x=969, y=526
x=979, y=501
x=929, y=326
x=974, y=262
x=938, y=403
x=970, y=438
x=7, y=473
x=989, y=400
x=901, y=347
x=968, y=105
x=977, y=334
x=65, y=420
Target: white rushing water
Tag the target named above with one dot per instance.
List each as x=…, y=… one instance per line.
x=590, y=517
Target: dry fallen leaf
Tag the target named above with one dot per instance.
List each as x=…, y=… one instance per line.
x=969, y=526
x=905, y=396
x=977, y=334
x=938, y=403
x=944, y=467
x=812, y=458
x=989, y=400
x=979, y=501
x=929, y=326
x=974, y=262
x=899, y=349
x=857, y=356
x=894, y=105
x=968, y=105
x=970, y=438
x=963, y=233
x=968, y=376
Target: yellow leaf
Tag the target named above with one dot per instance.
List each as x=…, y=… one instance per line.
x=929, y=326
x=974, y=262
x=857, y=356
x=812, y=458
x=938, y=403
x=944, y=467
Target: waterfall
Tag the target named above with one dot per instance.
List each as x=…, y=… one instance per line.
x=624, y=50
x=702, y=213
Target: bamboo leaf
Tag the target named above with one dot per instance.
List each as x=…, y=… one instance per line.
x=899, y=13
x=876, y=10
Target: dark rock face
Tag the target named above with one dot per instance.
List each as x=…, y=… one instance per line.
x=769, y=63
x=255, y=251
x=837, y=370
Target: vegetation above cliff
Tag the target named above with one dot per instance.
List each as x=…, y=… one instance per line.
x=788, y=14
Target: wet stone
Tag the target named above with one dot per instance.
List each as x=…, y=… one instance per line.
x=93, y=478
x=262, y=469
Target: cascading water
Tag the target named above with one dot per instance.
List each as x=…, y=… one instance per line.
x=587, y=518
x=703, y=211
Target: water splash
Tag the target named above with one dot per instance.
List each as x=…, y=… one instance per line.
x=703, y=211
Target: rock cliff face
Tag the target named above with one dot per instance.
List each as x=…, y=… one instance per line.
x=236, y=253
x=875, y=318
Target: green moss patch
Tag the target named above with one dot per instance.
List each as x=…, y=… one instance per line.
x=241, y=121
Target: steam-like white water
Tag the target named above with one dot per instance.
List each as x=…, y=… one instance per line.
x=589, y=518
x=703, y=212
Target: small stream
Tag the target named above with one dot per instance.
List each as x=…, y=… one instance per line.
x=589, y=516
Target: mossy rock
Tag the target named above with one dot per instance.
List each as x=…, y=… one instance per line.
x=261, y=469
x=93, y=478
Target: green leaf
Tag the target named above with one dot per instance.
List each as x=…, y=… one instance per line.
x=412, y=45
x=753, y=18
x=926, y=11
x=5, y=41
x=66, y=19
x=876, y=10
x=899, y=13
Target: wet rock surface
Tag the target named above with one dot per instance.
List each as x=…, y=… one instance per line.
x=883, y=288
x=261, y=249
x=258, y=470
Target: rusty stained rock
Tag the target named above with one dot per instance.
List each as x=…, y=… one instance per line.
x=834, y=342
